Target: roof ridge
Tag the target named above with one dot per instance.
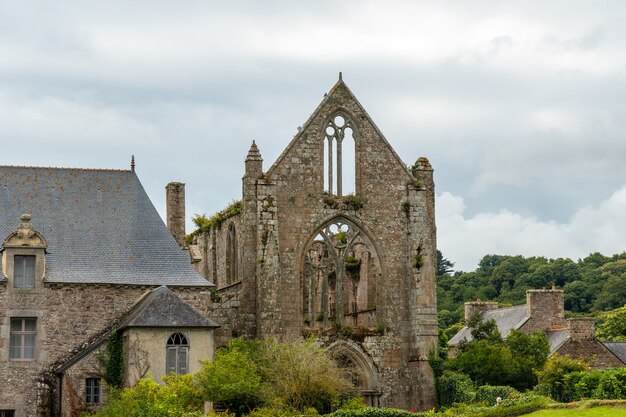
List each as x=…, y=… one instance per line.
x=66, y=168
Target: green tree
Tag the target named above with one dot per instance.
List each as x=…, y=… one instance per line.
x=614, y=326
x=444, y=266
x=233, y=377
x=249, y=374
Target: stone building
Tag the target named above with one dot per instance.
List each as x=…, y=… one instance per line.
x=544, y=312
x=91, y=259
x=335, y=240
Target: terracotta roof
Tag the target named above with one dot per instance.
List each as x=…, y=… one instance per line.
x=100, y=226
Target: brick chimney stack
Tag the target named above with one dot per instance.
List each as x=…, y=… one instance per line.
x=175, y=210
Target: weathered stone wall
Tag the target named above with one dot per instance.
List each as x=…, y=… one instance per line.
x=284, y=208
x=545, y=311
x=67, y=316
x=478, y=307
x=213, y=248
x=590, y=350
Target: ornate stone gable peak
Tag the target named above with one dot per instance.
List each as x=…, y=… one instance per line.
x=25, y=236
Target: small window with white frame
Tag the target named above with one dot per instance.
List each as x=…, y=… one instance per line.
x=24, y=271
x=92, y=391
x=23, y=334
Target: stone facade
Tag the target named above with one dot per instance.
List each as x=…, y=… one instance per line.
x=356, y=270
x=53, y=330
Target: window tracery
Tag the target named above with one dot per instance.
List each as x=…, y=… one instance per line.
x=177, y=354
x=340, y=157
x=341, y=269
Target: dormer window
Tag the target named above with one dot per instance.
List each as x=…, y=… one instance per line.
x=24, y=271
x=24, y=258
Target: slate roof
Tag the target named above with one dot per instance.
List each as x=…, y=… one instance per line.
x=618, y=349
x=163, y=308
x=506, y=319
x=100, y=226
x=556, y=339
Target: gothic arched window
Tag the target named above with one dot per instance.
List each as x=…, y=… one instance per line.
x=339, y=155
x=232, y=255
x=177, y=354
x=340, y=274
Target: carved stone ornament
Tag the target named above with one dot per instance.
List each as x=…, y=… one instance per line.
x=25, y=236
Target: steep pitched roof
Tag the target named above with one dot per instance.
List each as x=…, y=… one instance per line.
x=339, y=87
x=100, y=226
x=556, y=339
x=163, y=308
x=617, y=348
x=506, y=319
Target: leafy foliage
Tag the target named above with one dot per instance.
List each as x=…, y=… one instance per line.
x=250, y=374
x=205, y=224
x=613, y=327
x=552, y=379
x=454, y=387
x=488, y=359
x=177, y=397
x=113, y=360
x=595, y=283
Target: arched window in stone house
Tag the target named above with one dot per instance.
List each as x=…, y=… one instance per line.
x=340, y=272
x=232, y=255
x=177, y=354
x=339, y=155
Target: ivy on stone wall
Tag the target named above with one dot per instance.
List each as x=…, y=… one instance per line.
x=204, y=224
x=114, y=361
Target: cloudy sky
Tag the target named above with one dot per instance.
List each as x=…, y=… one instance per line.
x=520, y=106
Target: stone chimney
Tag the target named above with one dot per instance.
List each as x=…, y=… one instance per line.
x=478, y=307
x=175, y=210
x=545, y=309
x=423, y=173
x=581, y=328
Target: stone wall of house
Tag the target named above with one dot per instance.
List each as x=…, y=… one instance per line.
x=67, y=317
x=591, y=350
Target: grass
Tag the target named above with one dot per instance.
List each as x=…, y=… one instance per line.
x=602, y=411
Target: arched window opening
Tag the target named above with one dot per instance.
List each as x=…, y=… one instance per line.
x=177, y=354
x=339, y=156
x=340, y=273
x=232, y=255
x=359, y=369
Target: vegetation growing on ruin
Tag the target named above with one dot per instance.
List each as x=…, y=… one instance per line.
x=204, y=224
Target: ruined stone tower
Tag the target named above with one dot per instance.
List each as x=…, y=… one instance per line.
x=337, y=240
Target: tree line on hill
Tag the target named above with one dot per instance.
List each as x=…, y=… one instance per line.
x=591, y=285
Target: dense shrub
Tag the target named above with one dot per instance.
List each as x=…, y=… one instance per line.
x=552, y=379
x=453, y=387
x=178, y=397
x=375, y=412
x=611, y=385
x=488, y=393
x=250, y=374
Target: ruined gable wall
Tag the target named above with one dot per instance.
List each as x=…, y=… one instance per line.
x=383, y=183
